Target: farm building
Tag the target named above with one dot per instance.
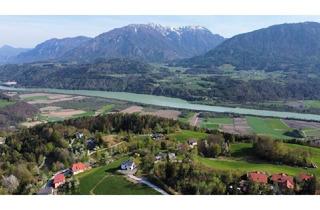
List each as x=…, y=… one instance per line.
x=258, y=177
x=128, y=165
x=58, y=180
x=77, y=168
x=283, y=180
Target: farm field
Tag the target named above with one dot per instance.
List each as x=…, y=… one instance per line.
x=214, y=123
x=240, y=160
x=4, y=103
x=104, y=181
x=312, y=104
x=272, y=127
x=184, y=135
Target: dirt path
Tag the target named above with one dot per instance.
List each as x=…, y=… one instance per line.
x=95, y=186
x=194, y=121
x=146, y=182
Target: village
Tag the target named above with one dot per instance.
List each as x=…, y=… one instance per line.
x=276, y=183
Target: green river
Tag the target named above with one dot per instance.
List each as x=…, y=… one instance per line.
x=170, y=102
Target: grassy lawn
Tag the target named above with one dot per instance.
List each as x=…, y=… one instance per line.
x=4, y=103
x=214, y=123
x=272, y=127
x=86, y=114
x=184, y=135
x=118, y=185
x=245, y=166
x=312, y=132
x=106, y=108
x=312, y=104
x=241, y=151
x=102, y=180
x=49, y=119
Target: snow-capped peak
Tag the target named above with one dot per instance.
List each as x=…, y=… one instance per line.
x=166, y=30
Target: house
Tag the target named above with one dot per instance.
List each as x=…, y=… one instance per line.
x=2, y=140
x=157, y=136
x=46, y=191
x=257, y=177
x=79, y=135
x=128, y=165
x=283, y=180
x=77, y=168
x=192, y=143
x=305, y=177
x=171, y=156
x=160, y=156
x=58, y=180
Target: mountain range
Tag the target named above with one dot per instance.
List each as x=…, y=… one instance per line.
x=279, y=47
x=7, y=52
x=147, y=42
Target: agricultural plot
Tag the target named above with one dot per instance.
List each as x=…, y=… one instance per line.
x=48, y=98
x=272, y=127
x=4, y=103
x=184, y=135
x=312, y=104
x=104, y=181
x=215, y=123
x=242, y=160
x=170, y=114
x=239, y=126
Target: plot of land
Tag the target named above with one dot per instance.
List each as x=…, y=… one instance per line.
x=64, y=113
x=104, y=181
x=312, y=104
x=239, y=126
x=272, y=127
x=4, y=103
x=170, y=114
x=132, y=109
x=241, y=160
x=297, y=124
x=184, y=135
x=48, y=98
x=31, y=124
x=215, y=123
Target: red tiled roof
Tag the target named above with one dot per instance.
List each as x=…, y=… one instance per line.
x=258, y=177
x=58, y=178
x=78, y=167
x=283, y=179
x=305, y=177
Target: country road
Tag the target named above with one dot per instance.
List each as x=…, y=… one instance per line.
x=146, y=182
x=194, y=121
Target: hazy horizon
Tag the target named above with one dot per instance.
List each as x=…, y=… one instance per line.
x=28, y=31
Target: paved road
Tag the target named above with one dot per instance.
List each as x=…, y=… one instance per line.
x=146, y=182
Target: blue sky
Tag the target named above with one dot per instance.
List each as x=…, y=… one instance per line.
x=27, y=31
